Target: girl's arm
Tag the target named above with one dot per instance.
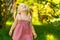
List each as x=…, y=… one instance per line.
x=33, y=30
x=14, y=25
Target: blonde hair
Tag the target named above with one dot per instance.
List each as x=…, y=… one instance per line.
x=18, y=9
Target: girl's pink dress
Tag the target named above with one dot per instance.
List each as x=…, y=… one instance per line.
x=22, y=31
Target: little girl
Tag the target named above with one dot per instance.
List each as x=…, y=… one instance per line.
x=22, y=26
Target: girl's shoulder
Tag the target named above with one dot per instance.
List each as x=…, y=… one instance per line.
x=18, y=16
x=30, y=17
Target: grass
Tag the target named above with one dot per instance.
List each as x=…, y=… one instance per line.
x=44, y=32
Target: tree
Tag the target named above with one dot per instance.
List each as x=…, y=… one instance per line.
x=2, y=13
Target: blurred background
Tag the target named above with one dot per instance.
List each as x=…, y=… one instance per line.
x=45, y=18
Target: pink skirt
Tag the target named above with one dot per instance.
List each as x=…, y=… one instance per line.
x=22, y=31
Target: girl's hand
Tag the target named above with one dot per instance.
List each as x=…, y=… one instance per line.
x=10, y=33
x=35, y=35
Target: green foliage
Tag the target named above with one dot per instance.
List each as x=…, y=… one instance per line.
x=49, y=8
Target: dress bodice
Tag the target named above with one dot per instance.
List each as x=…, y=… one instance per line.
x=25, y=18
